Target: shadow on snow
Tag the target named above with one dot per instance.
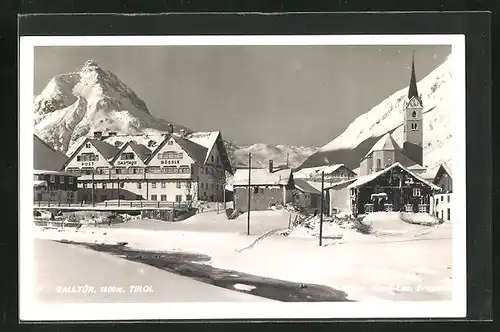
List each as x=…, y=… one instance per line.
x=193, y=266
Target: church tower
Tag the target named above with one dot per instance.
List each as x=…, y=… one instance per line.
x=413, y=116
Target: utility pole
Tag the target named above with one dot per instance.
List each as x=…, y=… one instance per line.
x=146, y=180
x=287, y=159
x=224, y=191
x=321, y=208
x=249, y=192
x=118, y=189
x=93, y=185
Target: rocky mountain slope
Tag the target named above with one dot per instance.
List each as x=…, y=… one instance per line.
x=74, y=105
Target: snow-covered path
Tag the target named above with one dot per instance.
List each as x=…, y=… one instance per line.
x=61, y=268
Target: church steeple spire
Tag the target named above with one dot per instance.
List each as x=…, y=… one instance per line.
x=412, y=90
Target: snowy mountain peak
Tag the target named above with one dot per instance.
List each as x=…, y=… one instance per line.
x=90, y=65
x=74, y=105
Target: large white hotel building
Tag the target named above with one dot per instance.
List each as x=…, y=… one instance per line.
x=169, y=167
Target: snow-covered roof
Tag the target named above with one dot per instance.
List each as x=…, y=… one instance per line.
x=316, y=171
x=447, y=168
x=305, y=187
x=386, y=143
x=261, y=176
x=341, y=183
x=205, y=139
x=370, y=177
x=39, y=183
x=107, y=150
x=50, y=172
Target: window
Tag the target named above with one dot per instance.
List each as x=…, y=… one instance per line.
x=448, y=214
x=188, y=185
x=163, y=185
x=212, y=159
x=61, y=179
x=170, y=170
x=118, y=171
x=52, y=178
x=101, y=170
x=153, y=185
x=413, y=114
x=449, y=198
x=441, y=198
x=170, y=155
x=189, y=198
x=87, y=157
x=201, y=185
x=139, y=185
x=127, y=156
x=163, y=197
x=414, y=126
x=178, y=185
x=70, y=180
x=154, y=197
x=255, y=190
x=416, y=192
x=87, y=145
x=84, y=185
x=122, y=184
x=170, y=142
x=379, y=164
x=103, y=186
x=178, y=198
x=204, y=194
x=217, y=159
x=206, y=170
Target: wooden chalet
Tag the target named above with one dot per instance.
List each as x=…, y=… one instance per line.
x=395, y=188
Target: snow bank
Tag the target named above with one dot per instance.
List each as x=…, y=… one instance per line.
x=419, y=219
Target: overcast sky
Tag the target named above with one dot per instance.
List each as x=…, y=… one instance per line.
x=296, y=95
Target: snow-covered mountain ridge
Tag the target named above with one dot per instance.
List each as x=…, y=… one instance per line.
x=74, y=105
x=350, y=146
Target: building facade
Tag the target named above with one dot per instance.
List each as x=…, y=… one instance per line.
x=394, y=188
x=441, y=205
x=339, y=197
x=306, y=196
x=54, y=186
x=176, y=167
x=268, y=187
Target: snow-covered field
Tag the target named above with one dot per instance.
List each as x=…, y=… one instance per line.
x=398, y=261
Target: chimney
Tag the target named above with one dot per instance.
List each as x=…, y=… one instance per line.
x=97, y=134
x=183, y=133
x=170, y=128
x=270, y=166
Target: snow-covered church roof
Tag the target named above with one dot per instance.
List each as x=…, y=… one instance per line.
x=385, y=143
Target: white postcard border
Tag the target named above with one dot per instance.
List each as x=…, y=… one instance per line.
x=32, y=310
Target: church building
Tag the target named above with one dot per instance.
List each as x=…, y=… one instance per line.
x=387, y=152
x=389, y=175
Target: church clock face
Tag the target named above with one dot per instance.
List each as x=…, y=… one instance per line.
x=414, y=103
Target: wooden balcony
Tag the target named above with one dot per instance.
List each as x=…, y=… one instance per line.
x=138, y=176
